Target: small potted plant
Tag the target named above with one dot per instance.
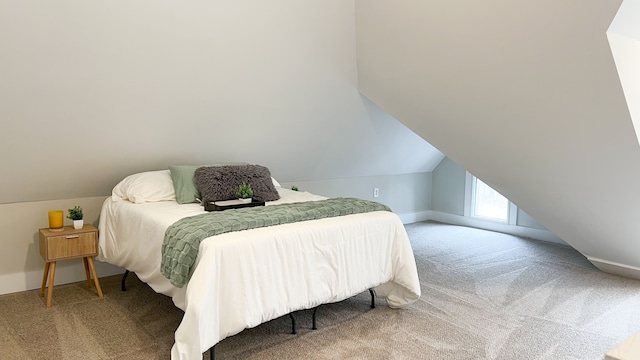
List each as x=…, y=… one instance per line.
x=244, y=192
x=76, y=215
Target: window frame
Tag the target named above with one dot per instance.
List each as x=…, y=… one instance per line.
x=470, y=201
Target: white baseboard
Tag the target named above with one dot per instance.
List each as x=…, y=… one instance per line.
x=415, y=217
x=68, y=271
x=607, y=266
x=615, y=268
x=538, y=234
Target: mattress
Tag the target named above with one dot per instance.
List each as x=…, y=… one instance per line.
x=242, y=279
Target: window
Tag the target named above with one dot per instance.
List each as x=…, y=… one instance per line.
x=485, y=203
x=488, y=203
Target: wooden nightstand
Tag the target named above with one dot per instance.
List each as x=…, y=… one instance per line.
x=68, y=244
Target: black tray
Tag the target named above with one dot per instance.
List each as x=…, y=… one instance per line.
x=210, y=206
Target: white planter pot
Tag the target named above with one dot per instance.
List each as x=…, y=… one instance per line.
x=248, y=200
x=78, y=224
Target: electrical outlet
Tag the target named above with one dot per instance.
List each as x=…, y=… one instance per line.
x=376, y=192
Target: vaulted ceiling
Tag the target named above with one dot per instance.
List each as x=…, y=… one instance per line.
x=526, y=96
x=92, y=91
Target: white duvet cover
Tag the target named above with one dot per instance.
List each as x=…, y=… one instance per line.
x=242, y=279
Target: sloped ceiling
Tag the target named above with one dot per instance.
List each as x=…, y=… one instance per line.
x=93, y=91
x=523, y=94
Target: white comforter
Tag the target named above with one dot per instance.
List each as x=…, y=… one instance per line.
x=242, y=279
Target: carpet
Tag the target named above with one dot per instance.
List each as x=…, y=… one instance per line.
x=485, y=295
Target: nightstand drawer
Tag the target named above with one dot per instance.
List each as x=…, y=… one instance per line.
x=69, y=246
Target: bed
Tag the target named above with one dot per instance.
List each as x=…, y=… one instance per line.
x=244, y=278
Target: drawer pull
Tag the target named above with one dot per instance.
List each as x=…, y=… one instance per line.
x=73, y=236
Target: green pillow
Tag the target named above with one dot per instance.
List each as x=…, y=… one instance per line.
x=184, y=183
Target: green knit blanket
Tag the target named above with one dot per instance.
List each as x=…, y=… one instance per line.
x=182, y=239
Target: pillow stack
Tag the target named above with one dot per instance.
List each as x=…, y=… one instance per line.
x=187, y=184
x=184, y=182
x=217, y=183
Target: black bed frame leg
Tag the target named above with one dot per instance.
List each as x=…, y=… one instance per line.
x=124, y=279
x=293, y=324
x=212, y=353
x=373, y=299
x=313, y=318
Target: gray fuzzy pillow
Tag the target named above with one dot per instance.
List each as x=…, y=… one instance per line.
x=221, y=182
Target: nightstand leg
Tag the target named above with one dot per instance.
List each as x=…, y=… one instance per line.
x=44, y=278
x=86, y=271
x=52, y=275
x=95, y=275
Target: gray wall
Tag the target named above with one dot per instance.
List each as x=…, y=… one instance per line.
x=448, y=192
x=404, y=194
x=93, y=91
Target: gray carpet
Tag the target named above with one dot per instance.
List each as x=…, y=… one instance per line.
x=484, y=296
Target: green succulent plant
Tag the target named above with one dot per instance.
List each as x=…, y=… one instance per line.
x=75, y=213
x=244, y=191
x=294, y=188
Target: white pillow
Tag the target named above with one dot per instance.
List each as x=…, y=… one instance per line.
x=150, y=186
x=275, y=182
